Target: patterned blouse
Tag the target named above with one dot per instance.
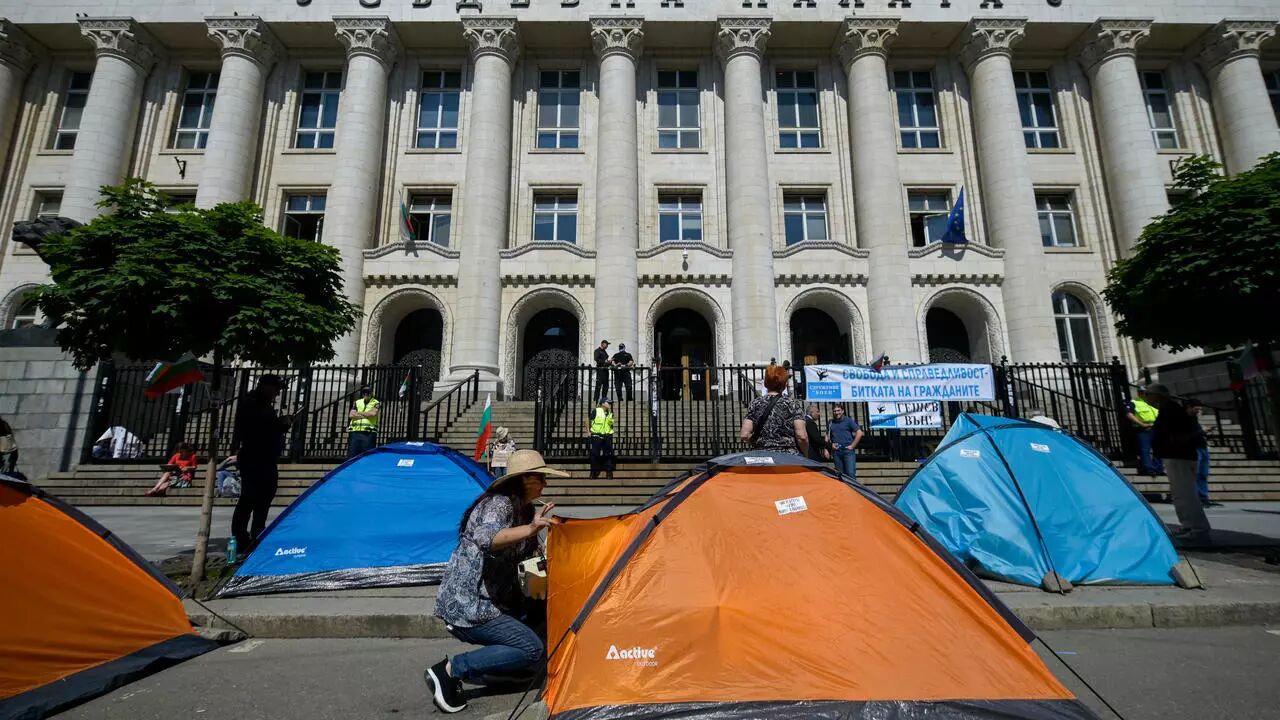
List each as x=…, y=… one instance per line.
x=779, y=432
x=480, y=584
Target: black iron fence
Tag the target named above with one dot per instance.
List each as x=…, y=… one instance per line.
x=696, y=412
x=319, y=397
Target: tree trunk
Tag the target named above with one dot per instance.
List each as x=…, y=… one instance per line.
x=1272, y=385
x=206, y=500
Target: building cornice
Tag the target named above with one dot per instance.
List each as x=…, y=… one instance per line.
x=617, y=36
x=120, y=37
x=866, y=36
x=803, y=279
x=245, y=36
x=554, y=247
x=701, y=279
x=390, y=280
x=374, y=37
x=1110, y=38
x=742, y=36
x=15, y=47
x=798, y=248
x=666, y=247
x=411, y=249
x=938, y=248
x=561, y=279
x=492, y=36
x=935, y=279
x=990, y=37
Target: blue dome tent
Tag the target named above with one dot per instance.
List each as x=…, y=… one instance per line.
x=1024, y=502
x=386, y=517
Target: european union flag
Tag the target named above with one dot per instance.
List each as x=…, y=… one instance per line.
x=955, y=223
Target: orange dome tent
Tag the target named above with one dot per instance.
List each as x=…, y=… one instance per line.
x=766, y=586
x=80, y=612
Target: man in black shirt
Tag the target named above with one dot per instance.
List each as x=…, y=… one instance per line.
x=819, y=448
x=622, y=364
x=1175, y=437
x=261, y=432
x=602, y=371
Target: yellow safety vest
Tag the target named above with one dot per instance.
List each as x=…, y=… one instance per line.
x=602, y=423
x=365, y=424
x=1146, y=413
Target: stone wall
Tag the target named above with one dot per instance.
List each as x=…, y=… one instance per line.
x=46, y=401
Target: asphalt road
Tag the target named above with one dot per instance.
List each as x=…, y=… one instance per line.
x=1203, y=674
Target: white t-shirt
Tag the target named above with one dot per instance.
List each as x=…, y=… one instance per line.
x=124, y=444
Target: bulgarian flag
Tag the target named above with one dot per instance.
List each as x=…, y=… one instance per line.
x=406, y=223
x=486, y=427
x=404, y=384
x=880, y=362
x=166, y=376
x=1251, y=366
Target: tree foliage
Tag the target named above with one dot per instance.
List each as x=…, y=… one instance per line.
x=1207, y=273
x=150, y=282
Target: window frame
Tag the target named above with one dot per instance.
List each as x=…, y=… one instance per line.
x=1050, y=214
x=679, y=131
x=60, y=131
x=433, y=214
x=1065, y=329
x=41, y=198
x=559, y=132
x=19, y=319
x=286, y=215
x=1164, y=90
x=918, y=130
x=204, y=121
x=1033, y=136
x=926, y=214
x=1271, y=78
x=797, y=132
x=682, y=214
x=320, y=131
x=557, y=196
x=804, y=196
x=440, y=130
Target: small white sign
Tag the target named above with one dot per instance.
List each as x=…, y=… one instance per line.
x=1039, y=447
x=405, y=462
x=759, y=460
x=966, y=452
x=905, y=416
x=790, y=505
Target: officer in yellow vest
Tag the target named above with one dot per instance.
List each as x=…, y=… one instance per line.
x=364, y=423
x=1142, y=415
x=600, y=425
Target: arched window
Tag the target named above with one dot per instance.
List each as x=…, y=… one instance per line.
x=1075, y=328
x=24, y=316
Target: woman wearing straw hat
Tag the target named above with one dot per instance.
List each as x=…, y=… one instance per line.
x=500, y=449
x=480, y=599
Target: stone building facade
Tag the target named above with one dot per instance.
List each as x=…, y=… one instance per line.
x=707, y=181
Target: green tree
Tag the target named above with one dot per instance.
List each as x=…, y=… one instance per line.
x=152, y=283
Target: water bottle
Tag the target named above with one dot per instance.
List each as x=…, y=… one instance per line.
x=231, y=551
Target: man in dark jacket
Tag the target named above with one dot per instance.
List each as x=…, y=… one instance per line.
x=261, y=432
x=819, y=448
x=602, y=362
x=1175, y=437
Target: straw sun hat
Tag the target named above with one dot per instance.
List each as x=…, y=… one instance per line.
x=501, y=433
x=525, y=462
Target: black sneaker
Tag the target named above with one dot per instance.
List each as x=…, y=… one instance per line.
x=446, y=690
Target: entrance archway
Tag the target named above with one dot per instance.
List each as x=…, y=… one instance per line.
x=948, y=337
x=686, y=344
x=816, y=337
x=550, y=339
x=419, y=340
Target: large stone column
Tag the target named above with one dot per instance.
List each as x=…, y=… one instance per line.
x=486, y=197
x=1246, y=122
x=1007, y=193
x=741, y=43
x=351, y=207
x=15, y=62
x=105, y=140
x=617, y=41
x=877, y=187
x=248, y=51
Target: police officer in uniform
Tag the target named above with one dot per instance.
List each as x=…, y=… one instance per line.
x=602, y=371
x=363, y=430
x=600, y=425
x=622, y=364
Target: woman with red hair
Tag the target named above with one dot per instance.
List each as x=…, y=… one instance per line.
x=775, y=422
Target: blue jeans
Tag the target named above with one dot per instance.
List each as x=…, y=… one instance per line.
x=846, y=462
x=360, y=442
x=510, y=647
x=1202, y=474
x=1146, y=462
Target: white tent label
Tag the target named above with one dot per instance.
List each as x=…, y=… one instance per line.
x=966, y=452
x=790, y=505
x=759, y=460
x=405, y=462
x=416, y=443
x=1038, y=447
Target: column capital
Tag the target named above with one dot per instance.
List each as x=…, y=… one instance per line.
x=15, y=47
x=118, y=37
x=492, y=36
x=372, y=36
x=246, y=36
x=988, y=37
x=1108, y=38
x=621, y=35
x=866, y=36
x=1231, y=39
x=742, y=35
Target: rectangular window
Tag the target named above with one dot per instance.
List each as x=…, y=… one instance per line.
x=48, y=204
x=1057, y=221
x=196, y=115
x=1273, y=89
x=438, y=109
x=176, y=199
x=555, y=218
x=1159, y=110
x=73, y=102
x=678, y=124
x=928, y=211
x=917, y=110
x=1035, y=105
x=431, y=216
x=680, y=218
x=559, y=94
x=798, y=125
x=804, y=218
x=304, y=216
x=318, y=110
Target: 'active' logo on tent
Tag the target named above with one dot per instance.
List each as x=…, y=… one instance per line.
x=644, y=657
x=297, y=551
